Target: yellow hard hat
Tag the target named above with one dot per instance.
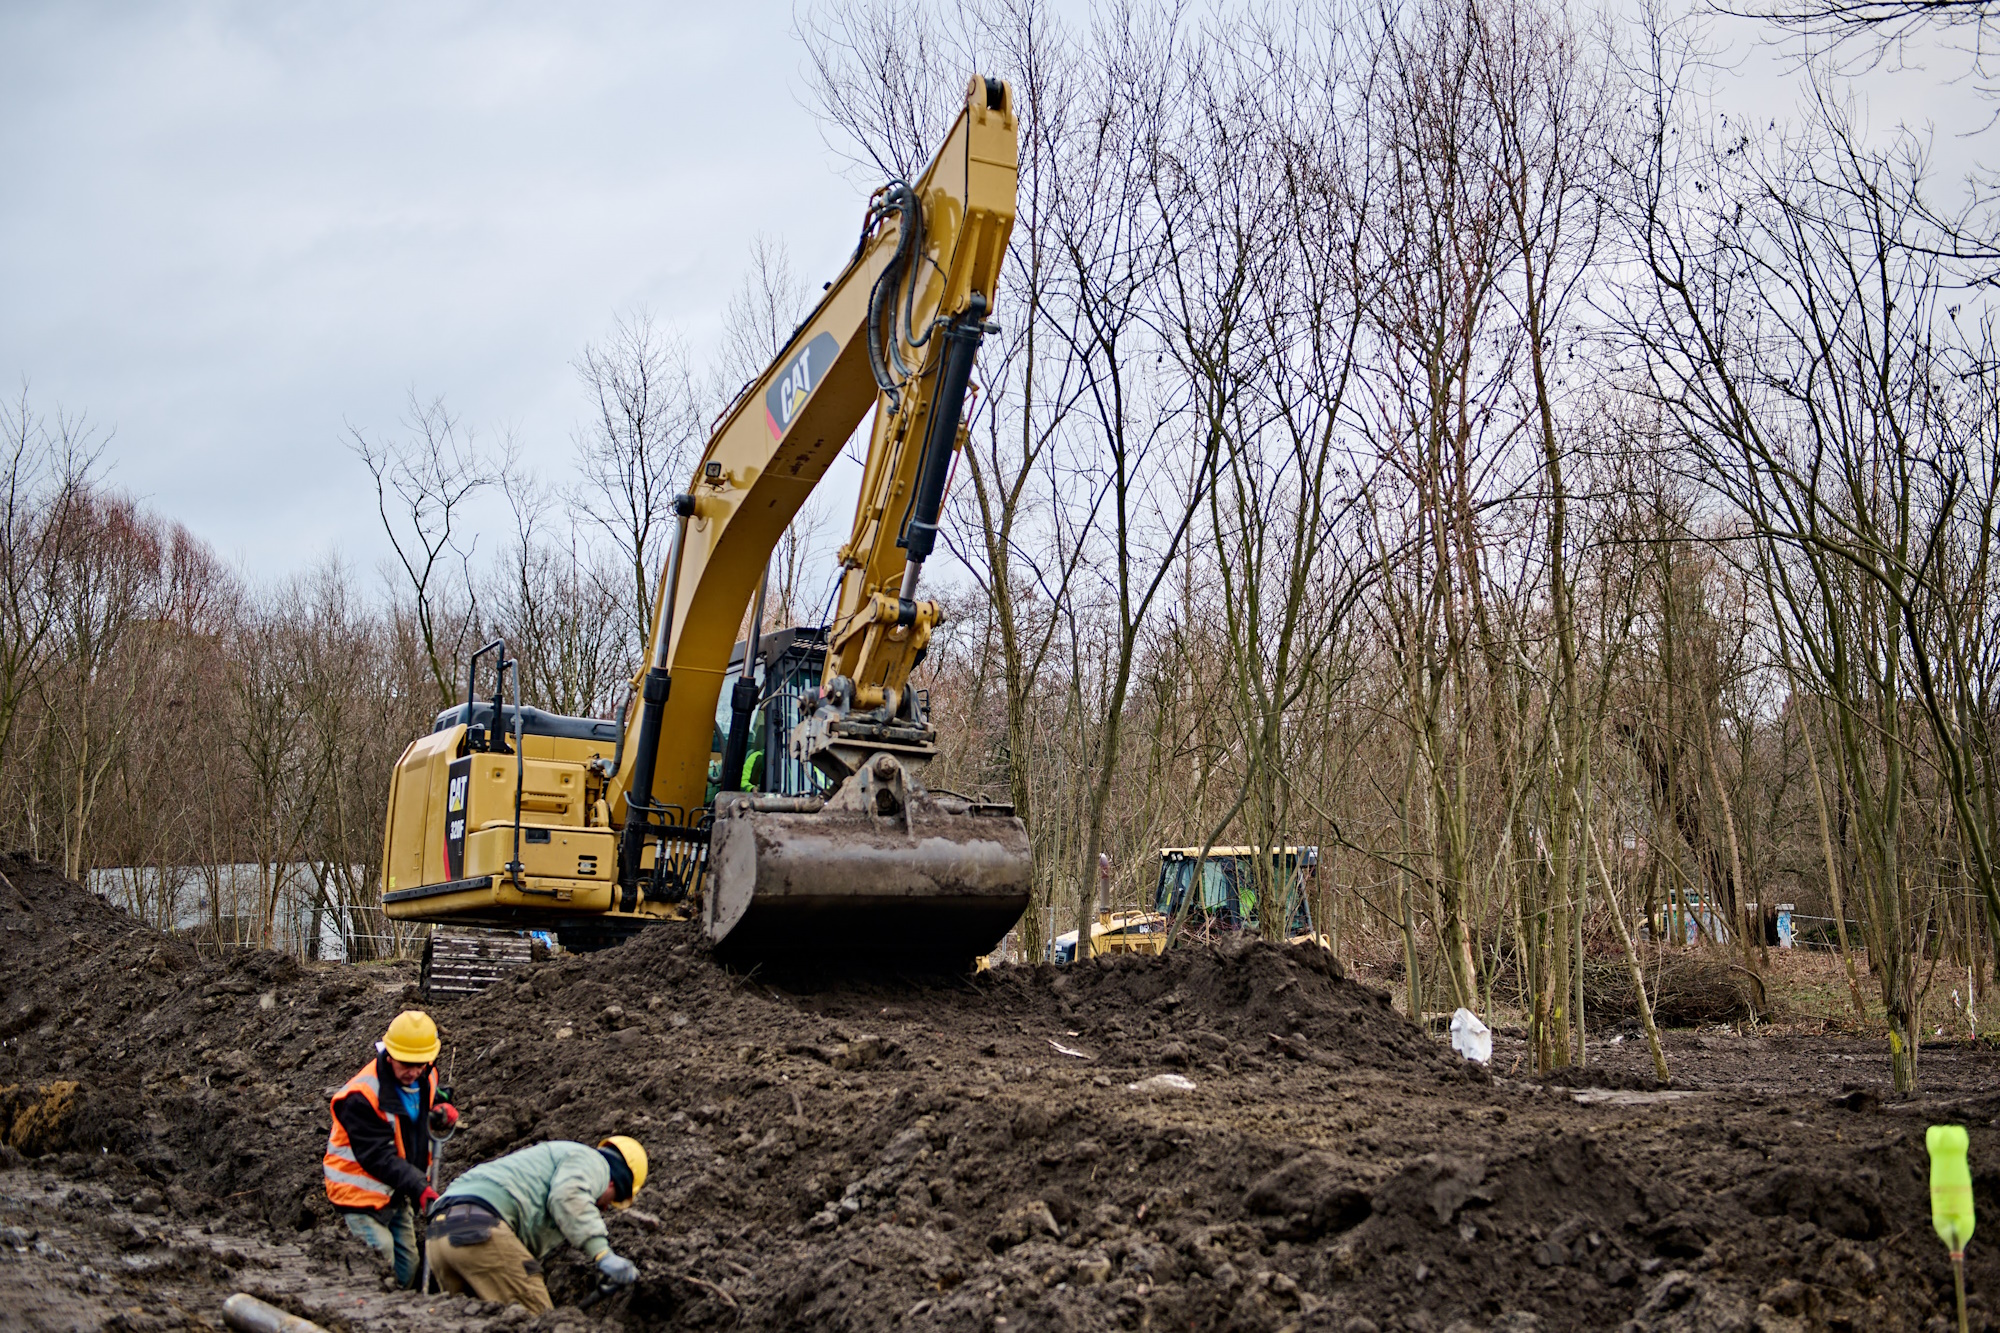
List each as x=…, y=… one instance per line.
x=412, y=1038
x=635, y=1157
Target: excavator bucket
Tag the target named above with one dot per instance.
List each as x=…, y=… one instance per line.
x=882, y=872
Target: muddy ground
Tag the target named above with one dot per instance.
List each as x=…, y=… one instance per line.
x=994, y=1153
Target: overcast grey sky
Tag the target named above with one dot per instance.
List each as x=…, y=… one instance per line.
x=228, y=231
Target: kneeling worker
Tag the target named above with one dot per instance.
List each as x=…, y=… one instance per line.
x=379, y=1148
x=497, y=1222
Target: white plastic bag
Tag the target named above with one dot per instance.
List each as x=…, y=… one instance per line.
x=1470, y=1037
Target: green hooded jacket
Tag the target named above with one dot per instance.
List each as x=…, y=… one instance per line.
x=546, y=1193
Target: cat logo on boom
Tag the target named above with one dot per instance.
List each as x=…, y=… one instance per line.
x=795, y=383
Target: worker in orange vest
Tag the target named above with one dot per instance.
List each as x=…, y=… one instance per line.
x=379, y=1150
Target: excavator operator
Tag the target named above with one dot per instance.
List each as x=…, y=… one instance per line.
x=379, y=1148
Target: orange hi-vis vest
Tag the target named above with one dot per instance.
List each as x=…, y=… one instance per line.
x=347, y=1184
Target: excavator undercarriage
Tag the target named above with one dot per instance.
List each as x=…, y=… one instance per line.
x=465, y=962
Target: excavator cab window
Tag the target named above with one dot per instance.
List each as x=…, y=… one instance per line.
x=1227, y=898
x=1221, y=897
x=793, y=660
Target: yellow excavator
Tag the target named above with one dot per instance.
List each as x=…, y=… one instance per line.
x=510, y=818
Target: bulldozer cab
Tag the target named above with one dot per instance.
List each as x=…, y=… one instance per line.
x=1225, y=898
x=1224, y=901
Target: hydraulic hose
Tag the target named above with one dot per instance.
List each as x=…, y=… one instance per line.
x=882, y=332
x=507, y=664
x=743, y=696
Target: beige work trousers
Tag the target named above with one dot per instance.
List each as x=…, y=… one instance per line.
x=499, y=1268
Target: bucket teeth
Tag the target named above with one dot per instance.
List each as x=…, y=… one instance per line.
x=883, y=872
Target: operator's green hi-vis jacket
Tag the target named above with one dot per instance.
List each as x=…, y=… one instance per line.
x=546, y=1194
x=752, y=778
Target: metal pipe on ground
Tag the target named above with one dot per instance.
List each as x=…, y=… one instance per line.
x=250, y=1315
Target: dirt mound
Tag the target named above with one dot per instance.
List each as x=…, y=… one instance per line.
x=1232, y=1139
x=199, y=1073
x=1596, y=1076
x=1684, y=989
x=1245, y=996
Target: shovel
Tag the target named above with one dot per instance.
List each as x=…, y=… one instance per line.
x=434, y=1175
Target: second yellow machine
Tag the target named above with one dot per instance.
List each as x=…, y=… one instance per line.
x=506, y=816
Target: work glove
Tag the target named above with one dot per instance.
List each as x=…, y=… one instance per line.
x=426, y=1199
x=444, y=1118
x=618, y=1269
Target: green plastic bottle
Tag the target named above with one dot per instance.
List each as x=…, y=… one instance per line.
x=1951, y=1186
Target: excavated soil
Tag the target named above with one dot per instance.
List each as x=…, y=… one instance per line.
x=1008, y=1152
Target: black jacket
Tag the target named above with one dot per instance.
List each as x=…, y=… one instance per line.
x=374, y=1143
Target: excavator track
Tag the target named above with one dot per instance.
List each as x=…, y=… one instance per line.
x=465, y=962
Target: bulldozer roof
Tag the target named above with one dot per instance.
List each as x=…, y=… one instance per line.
x=1217, y=853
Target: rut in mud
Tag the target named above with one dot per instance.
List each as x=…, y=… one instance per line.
x=1005, y=1152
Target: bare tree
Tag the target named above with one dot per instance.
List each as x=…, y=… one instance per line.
x=802, y=574
x=1868, y=32
x=106, y=594
x=1032, y=387
x=1141, y=484
x=1436, y=390
x=1549, y=101
x=1264, y=318
x=284, y=780
x=45, y=480
x=872, y=81
x=762, y=315
x=1803, y=339
x=638, y=450
x=558, y=607
x=423, y=482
